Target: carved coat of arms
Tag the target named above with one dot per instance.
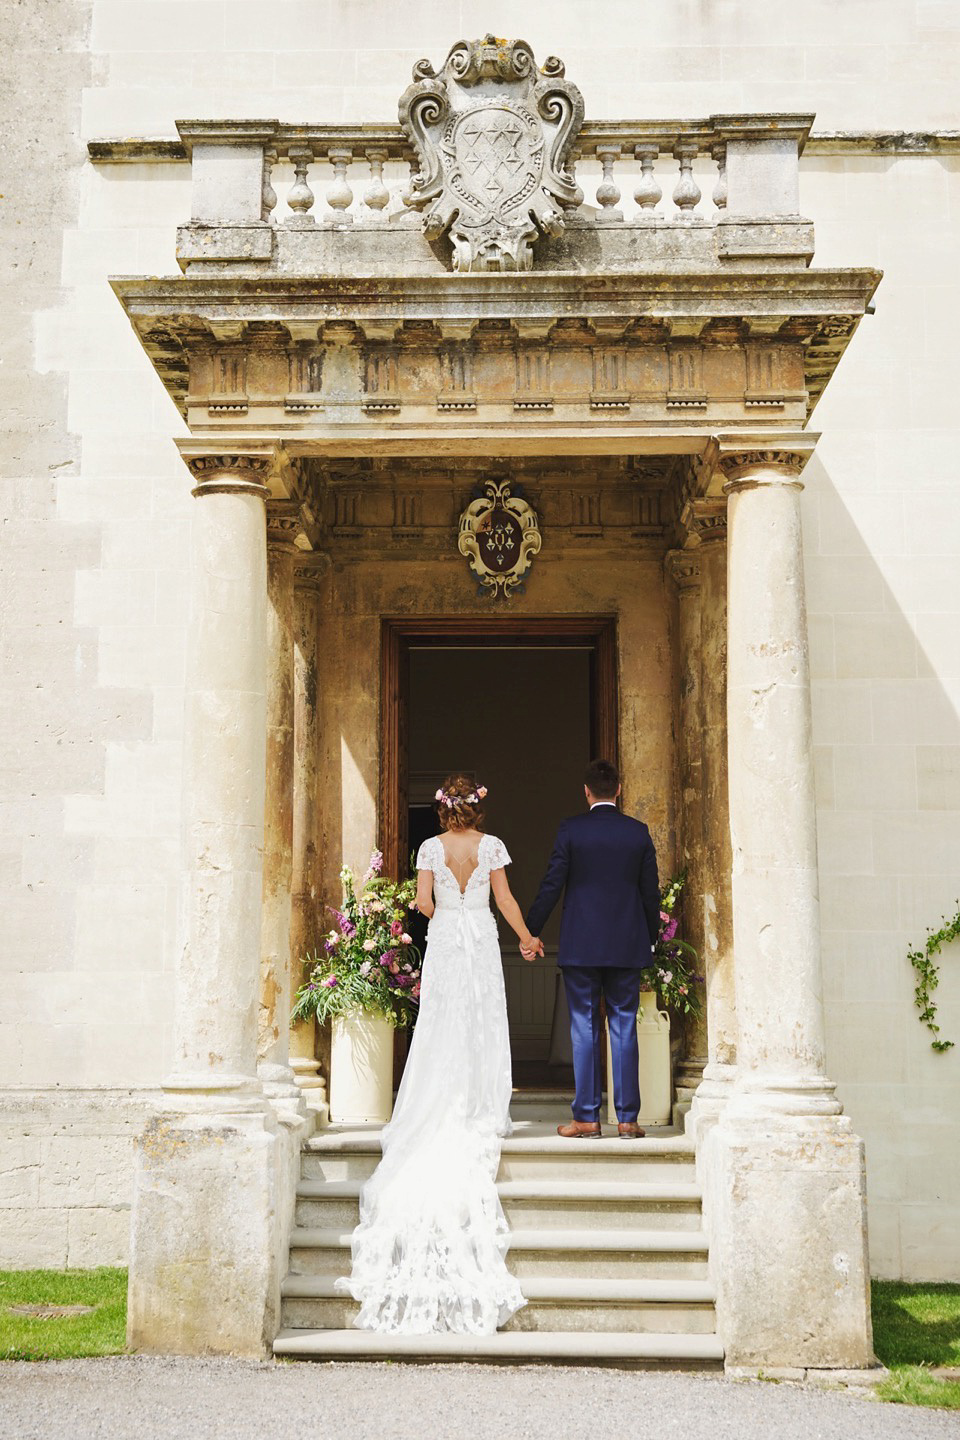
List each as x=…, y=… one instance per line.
x=493, y=135
x=499, y=535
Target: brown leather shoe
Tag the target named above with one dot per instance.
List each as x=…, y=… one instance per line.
x=580, y=1130
x=630, y=1130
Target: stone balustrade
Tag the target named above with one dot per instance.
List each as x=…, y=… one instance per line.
x=255, y=183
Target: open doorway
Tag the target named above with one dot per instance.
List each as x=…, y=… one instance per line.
x=524, y=709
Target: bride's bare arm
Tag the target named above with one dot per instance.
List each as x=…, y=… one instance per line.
x=509, y=908
x=425, y=892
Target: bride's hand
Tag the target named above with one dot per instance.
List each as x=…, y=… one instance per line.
x=532, y=949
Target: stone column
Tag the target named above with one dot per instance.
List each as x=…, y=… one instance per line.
x=788, y=1235
x=273, y=1041
x=203, y=1234
x=305, y=922
x=707, y=519
x=684, y=569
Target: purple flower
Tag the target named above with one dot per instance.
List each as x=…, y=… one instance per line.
x=330, y=981
x=670, y=929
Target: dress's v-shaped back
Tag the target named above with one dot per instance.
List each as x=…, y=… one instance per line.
x=455, y=867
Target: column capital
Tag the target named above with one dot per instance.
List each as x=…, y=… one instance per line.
x=705, y=519
x=284, y=524
x=683, y=567
x=228, y=471
x=310, y=568
x=747, y=461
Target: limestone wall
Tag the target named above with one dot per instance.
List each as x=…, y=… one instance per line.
x=96, y=508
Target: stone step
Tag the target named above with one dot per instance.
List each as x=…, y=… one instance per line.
x=575, y=1253
x=641, y=1349
x=311, y=1302
x=354, y=1155
x=535, y=1204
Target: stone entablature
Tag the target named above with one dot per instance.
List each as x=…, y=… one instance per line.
x=353, y=356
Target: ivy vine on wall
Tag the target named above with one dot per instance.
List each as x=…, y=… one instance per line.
x=928, y=976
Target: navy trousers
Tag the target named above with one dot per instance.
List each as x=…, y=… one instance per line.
x=620, y=989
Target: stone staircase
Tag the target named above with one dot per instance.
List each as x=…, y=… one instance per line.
x=606, y=1238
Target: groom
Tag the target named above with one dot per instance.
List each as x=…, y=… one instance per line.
x=606, y=864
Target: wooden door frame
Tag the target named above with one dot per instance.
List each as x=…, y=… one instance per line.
x=599, y=632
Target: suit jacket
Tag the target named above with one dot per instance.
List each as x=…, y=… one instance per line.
x=605, y=863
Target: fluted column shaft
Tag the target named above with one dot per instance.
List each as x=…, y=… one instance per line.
x=274, y=1016
x=305, y=922
x=717, y=854
x=684, y=568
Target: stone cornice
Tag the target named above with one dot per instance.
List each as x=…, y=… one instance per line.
x=164, y=150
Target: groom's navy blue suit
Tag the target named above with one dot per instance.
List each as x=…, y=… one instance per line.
x=605, y=863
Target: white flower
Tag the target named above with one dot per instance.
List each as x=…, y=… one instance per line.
x=369, y=945
x=334, y=937
x=365, y=968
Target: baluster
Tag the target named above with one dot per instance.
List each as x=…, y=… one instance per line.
x=376, y=197
x=719, y=153
x=648, y=192
x=268, y=194
x=686, y=195
x=339, y=194
x=300, y=197
x=608, y=192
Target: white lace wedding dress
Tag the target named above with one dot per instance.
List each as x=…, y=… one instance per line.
x=428, y=1254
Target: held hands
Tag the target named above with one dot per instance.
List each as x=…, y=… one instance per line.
x=532, y=949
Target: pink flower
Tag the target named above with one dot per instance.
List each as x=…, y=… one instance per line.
x=385, y=960
x=330, y=981
x=394, y=968
x=369, y=945
x=396, y=929
x=406, y=939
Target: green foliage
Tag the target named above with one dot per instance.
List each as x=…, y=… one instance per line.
x=368, y=961
x=916, y=1327
x=928, y=976
x=673, y=970
x=102, y=1332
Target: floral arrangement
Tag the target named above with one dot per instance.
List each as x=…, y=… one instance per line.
x=369, y=961
x=442, y=798
x=673, y=971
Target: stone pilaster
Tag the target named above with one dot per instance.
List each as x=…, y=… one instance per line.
x=204, y=1241
x=683, y=567
x=788, y=1228
x=273, y=1041
x=707, y=521
x=306, y=925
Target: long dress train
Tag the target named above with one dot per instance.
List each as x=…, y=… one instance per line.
x=428, y=1254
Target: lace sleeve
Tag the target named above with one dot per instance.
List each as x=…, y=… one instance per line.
x=497, y=855
x=425, y=856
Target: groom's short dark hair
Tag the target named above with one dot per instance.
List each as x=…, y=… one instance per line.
x=602, y=779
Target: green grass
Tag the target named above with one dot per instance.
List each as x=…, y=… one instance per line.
x=916, y=1327
x=103, y=1332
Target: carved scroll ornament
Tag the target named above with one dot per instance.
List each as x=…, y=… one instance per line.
x=493, y=135
x=499, y=535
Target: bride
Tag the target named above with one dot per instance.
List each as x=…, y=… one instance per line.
x=428, y=1254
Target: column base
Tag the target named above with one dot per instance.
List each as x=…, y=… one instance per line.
x=789, y=1240
x=205, y=1252
x=312, y=1084
x=281, y=1089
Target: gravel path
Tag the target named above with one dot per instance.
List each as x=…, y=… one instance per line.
x=147, y=1398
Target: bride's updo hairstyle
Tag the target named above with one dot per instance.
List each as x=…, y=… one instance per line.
x=460, y=803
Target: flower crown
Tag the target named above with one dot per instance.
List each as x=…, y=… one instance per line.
x=451, y=801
